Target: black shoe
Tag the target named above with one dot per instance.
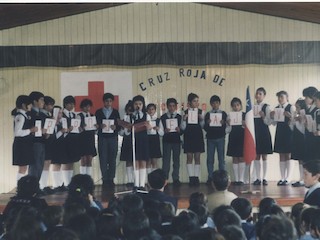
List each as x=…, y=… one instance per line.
x=209, y=182
x=285, y=183
x=240, y=183
x=60, y=189
x=196, y=182
x=280, y=183
x=257, y=182
x=176, y=183
x=264, y=182
x=298, y=184
x=40, y=193
x=191, y=181
x=48, y=191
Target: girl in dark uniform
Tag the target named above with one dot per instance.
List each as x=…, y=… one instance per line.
x=140, y=116
x=193, y=138
x=49, y=140
x=263, y=137
x=71, y=141
x=126, y=147
x=23, y=137
x=282, y=142
x=154, y=138
x=235, y=144
x=298, y=139
x=87, y=139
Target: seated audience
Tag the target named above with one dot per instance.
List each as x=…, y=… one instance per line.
x=265, y=205
x=221, y=195
x=225, y=216
x=202, y=213
x=184, y=223
x=204, y=234
x=306, y=217
x=233, y=232
x=315, y=224
x=157, y=182
x=311, y=175
x=243, y=208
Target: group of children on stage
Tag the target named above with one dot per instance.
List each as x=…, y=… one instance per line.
x=47, y=134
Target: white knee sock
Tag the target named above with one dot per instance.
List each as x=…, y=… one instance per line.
x=83, y=170
x=89, y=171
x=149, y=170
x=301, y=172
x=235, y=167
x=136, y=178
x=264, y=165
x=56, y=179
x=190, y=170
x=289, y=167
x=283, y=170
x=130, y=174
x=19, y=175
x=197, y=170
x=44, y=179
x=257, y=167
x=67, y=175
x=242, y=167
x=142, y=177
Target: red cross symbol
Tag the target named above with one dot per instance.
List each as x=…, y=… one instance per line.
x=95, y=94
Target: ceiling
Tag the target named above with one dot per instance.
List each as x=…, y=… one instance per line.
x=13, y=15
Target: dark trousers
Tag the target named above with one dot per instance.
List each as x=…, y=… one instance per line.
x=36, y=168
x=108, y=149
x=175, y=148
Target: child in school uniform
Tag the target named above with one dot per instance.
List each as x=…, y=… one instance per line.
x=71, y=140
x=171, y=142
x=311, y=171
x=126, y=147
x=59, y=154
x=235, y=144
x=154, y=138
x=140, y=116
x=36, y=168
x=192, y=125
x=282, y=143
x=215, y=137
x=310, y=139
x=317, y=120
x=263, y=137
x=43, y=183
x=298, y=139
x=87, y=139
x=23, y=136
x=108, y=139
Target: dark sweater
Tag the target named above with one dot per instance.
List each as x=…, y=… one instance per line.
x=170, y=137
x=215, y=132
x=114, y=115
x=35, y=116
x=314, y=198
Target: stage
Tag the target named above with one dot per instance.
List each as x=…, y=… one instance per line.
x=286, y=196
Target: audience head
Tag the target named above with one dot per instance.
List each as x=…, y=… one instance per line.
x=132, y=203
x=295, y=215
x=28, y=186
x=83, y=226
x=185, y=222
x=223, y=216
x=315, y=224
x=72, y=210
x=198, y=198
x=276, y=228
x=167, y=211
x=52, y=216
x=311, y=173
x=243, y=207
x=220, y=180
x=233, y=232
x=109, y=223
x=201, y=211
x=135, y=224
x=265, y=206
x=204, y=234
x=65, y=234
x=157, y=179
x=305, y=219
x=155, y=220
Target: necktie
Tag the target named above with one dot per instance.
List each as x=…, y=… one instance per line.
x=138, y=116
x=69, y=114
x=87, y=115
x=171, y=115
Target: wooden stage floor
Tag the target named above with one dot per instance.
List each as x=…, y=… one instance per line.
x=285, y=196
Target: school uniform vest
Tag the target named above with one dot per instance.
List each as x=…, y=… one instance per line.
x=27, y=123
x=114, y=115
x=258, y=122
x=215, y=132
x=170, y=137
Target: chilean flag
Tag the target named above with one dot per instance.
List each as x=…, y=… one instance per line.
x=249, y=146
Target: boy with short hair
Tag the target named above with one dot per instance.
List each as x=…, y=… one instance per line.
x=215, y=137
x=108, y=142
x=171, y=141
x=311, y=181
x=36, y=114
